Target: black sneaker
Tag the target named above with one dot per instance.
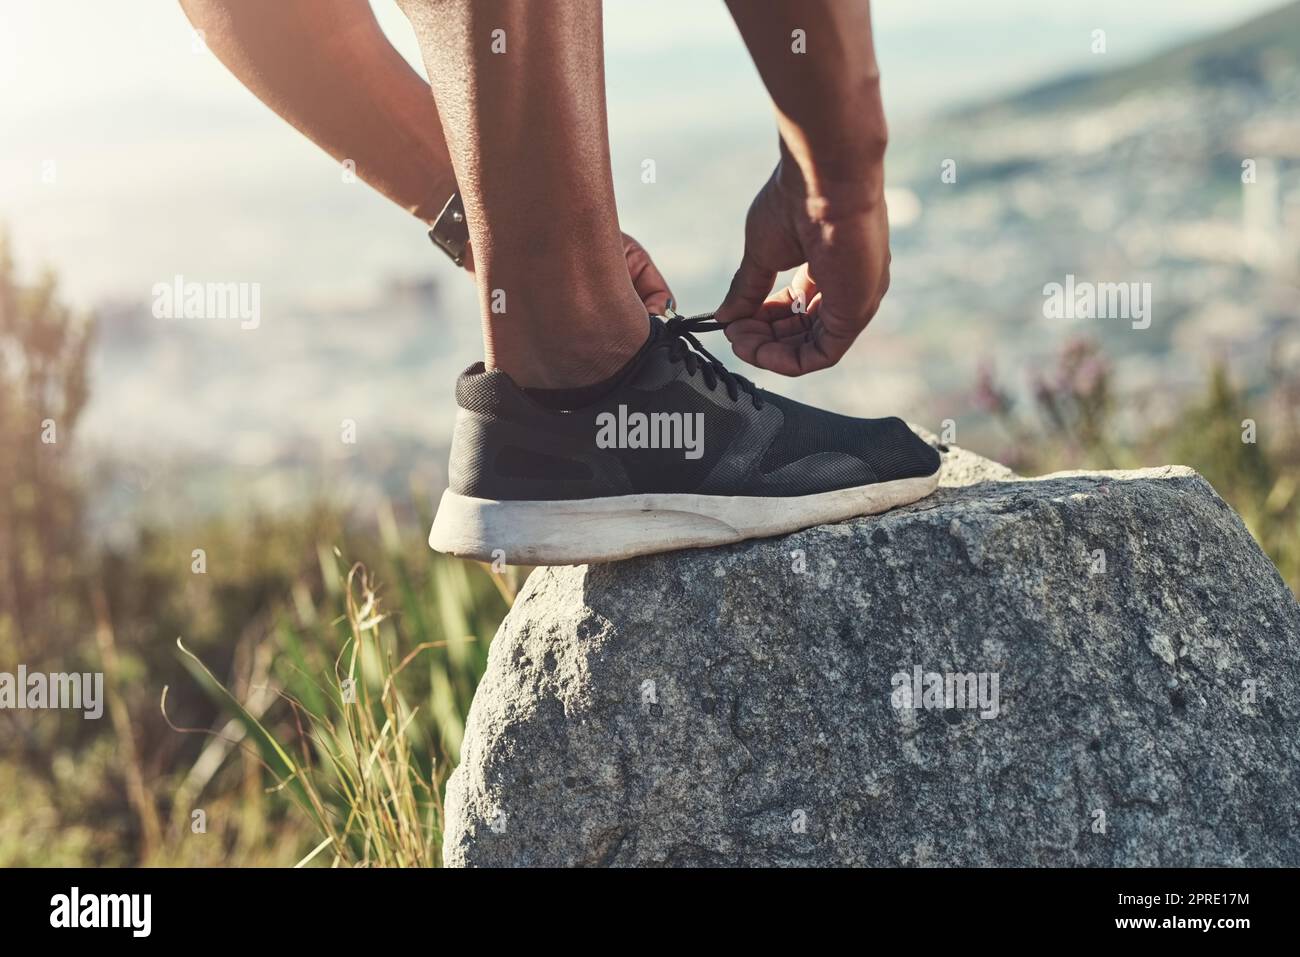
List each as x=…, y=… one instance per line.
x=681, y=453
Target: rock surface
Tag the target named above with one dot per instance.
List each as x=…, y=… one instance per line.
x=749, y=705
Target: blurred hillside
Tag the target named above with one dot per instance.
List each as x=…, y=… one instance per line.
x=1259, y=52
x=1182, y=171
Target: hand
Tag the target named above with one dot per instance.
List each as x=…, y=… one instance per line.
x=648, y=281
x=841, y=246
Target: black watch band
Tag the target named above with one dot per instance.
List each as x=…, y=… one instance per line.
x=450, y=232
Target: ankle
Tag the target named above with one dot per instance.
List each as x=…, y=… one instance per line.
x=558, y=346
x=560, y=363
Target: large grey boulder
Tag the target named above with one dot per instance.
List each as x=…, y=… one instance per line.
x=755, y=704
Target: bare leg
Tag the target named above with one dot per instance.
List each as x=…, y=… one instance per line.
x=520, y=87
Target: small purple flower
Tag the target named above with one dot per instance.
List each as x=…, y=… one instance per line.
x=989, y=397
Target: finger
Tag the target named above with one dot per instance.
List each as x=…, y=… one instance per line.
x=794, y=324
x=792, y=310
x=749, y=288
x=654, y=292
x=792, y=301
x=761, y=344
x=794, y=355
x=823, y=348
x=802, y=289
x=779, y=313
x=647, y=280
x=784, y=357
x=747, y=336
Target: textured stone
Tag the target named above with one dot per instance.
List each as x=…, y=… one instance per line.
x=736, y=706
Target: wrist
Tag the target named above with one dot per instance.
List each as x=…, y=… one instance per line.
x=839, y=162
x=850, y=126
x=831, y=191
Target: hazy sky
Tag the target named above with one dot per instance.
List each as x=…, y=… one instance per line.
x=54, y=54
x=159, y=149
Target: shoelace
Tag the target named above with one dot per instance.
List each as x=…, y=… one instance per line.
x=681, y=331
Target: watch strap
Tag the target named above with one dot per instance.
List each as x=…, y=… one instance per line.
x=450, y=231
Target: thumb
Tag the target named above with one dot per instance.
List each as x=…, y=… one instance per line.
x=749, y=288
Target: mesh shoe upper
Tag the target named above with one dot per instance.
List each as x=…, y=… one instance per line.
x=676, y=422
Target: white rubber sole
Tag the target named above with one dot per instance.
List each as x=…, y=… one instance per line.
x=608, y=529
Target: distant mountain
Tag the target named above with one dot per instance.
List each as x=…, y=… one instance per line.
x=1254, y=53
